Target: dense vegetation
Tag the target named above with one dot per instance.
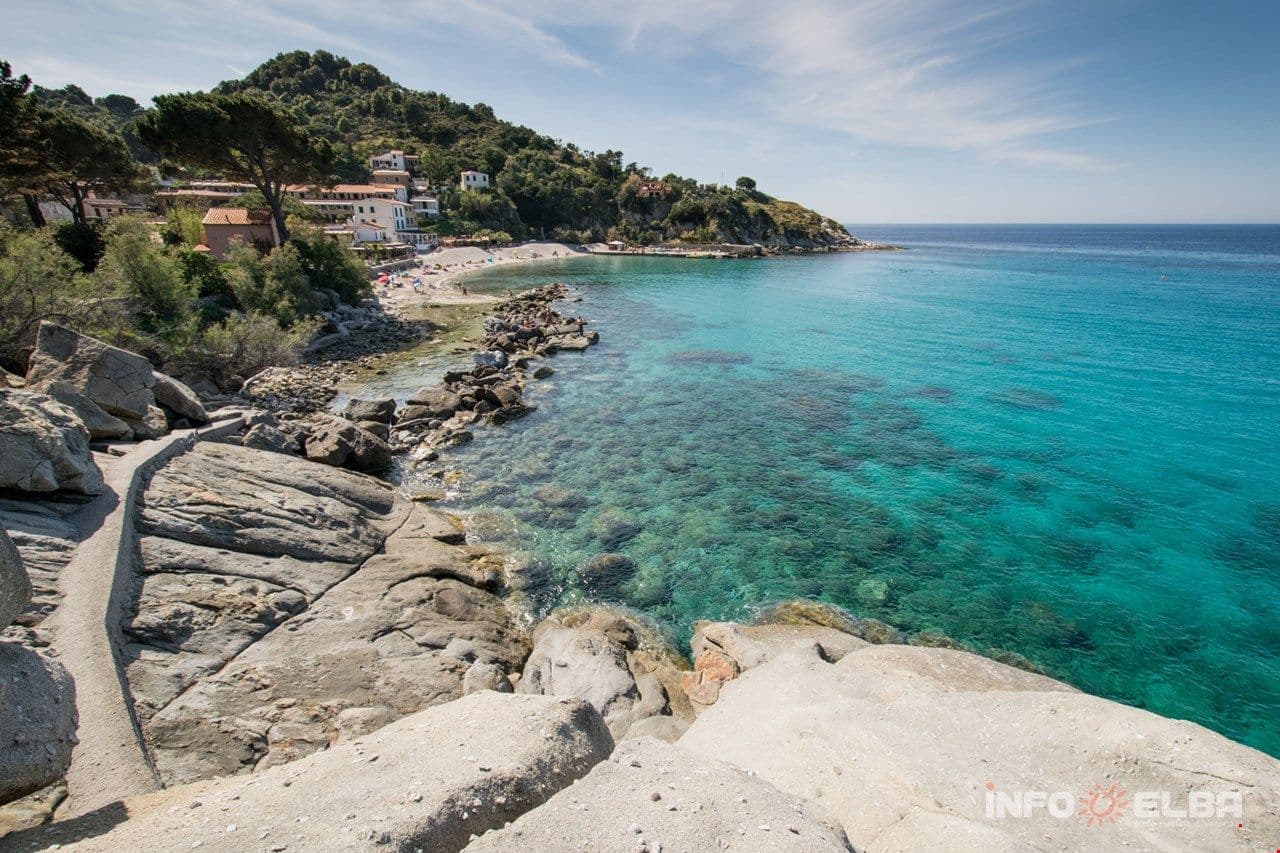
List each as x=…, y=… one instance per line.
x=541, y=187
x=188, y=313
x=148, y=288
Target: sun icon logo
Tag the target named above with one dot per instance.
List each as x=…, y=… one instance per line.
x=1103, y=805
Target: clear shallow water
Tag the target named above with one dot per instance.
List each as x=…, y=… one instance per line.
x=1059, y=441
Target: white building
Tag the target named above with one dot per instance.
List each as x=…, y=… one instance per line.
x=397, y=160
x=473, y=180
x=425, y=205
x=392, y=213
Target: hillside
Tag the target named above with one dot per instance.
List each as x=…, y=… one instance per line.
x=541, y=187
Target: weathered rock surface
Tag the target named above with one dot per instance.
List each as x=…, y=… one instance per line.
x=37, y=721
x=45, y=537
x=427, y=782
x=15, y=586
x=118, y=381
x=286, y=604
x=617, y=664
x=43, y=445
x=237, y=499
x=899, y=742
x=379, y=411
x=96, y=421
x=269, y=437
x=337, y=441
x=722, y=650
x=653, y=796
x=178, y=398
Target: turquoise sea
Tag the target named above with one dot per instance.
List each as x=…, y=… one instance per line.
x=1060, y=441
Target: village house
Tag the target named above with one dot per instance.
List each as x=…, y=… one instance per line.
x=393, y=177
x=345, y=192
x=92, y=207
x=473, y=180
x=222, y=225
x=394, y=160
x=654, y=189
x=425, y=205
x=200, y=194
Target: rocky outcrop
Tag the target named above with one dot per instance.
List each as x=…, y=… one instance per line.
x=176, y=397
x=116, y=380
x=15, y=586
x=37, y=721
x=903, y=745
x=44, y=446
x=653, y=796
x=99, y=424
x=723, y=650
x=427, y=782
x=37, y=697
x=331, y=440
x=286, y=606
x=616, y=663
x=107, y=385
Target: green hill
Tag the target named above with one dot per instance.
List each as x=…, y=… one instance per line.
x=541, y=187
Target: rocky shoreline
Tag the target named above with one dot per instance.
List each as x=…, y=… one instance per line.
x=273, y=649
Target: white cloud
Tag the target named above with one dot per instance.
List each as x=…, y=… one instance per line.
x=921, y=74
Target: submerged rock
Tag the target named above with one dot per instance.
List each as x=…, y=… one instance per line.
x=606, y=572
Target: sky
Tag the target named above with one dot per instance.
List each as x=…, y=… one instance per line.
x=868, y=110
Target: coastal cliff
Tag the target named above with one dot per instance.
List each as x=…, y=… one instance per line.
x=288, y=653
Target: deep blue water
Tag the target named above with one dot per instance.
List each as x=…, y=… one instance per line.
x=1062, y=441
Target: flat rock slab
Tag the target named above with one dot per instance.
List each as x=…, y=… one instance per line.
x=429, y=782
x=45, y=535
x=223, y=496
x=899, y=743
x=285, y=606
x=654, y=796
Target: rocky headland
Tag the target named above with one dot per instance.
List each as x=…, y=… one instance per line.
x=224, y=632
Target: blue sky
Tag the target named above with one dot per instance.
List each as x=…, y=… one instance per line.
x=869, y=110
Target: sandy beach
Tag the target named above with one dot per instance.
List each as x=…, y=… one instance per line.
x=440, y=273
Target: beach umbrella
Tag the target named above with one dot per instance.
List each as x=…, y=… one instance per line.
x=384, y=278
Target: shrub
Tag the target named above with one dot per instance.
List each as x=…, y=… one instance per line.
x=82, y=241
x=38, y=281
x=331, y=266
x=229, y=352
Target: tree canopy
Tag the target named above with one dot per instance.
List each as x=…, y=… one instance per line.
x=243, y=136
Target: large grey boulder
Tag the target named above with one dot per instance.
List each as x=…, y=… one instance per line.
x=43, y=445
x=427, y=782
x=337, y=441
x=906, y=747
x=378, y=411
x=15, y=586
x=118, y=381
x=96, y=421
x=655, y=796
x=178, y=398
x=616, y=663
x=37, y=721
